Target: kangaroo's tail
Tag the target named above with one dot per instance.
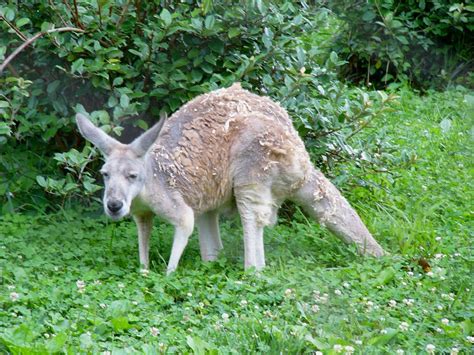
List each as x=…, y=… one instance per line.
x=320, y=198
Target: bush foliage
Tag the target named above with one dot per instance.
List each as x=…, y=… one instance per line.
x=429, y=43
x=137, y=61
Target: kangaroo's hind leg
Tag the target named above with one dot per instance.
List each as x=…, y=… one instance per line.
x=209, y=237
x=257, y=209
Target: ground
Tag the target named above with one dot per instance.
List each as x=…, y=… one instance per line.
x=70, y=282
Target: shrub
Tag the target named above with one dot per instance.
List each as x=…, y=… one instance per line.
x=142, y=60
x=429, y=43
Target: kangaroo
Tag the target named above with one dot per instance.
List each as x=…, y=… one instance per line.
x=228, y=148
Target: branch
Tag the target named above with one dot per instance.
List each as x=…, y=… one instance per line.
x=34, y=38
x=17, y=31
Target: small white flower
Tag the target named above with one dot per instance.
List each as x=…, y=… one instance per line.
x=86, y=306
x=445, y=321
x=404, y=326
x=439, y=330
x=349, y=349
x=383, y=331
x=103, y=305
x=288, y=292
x=135, y=303
x=438, y=239
x=144, y=272
x=337, y=292
x=189, y=294
x=318, y=353
x=346, y=285
x=106, y=352
x=358, y=342
x=370, y=304
x=243, y=303
x=162, y=347
x=392, y=303
x=409, y=301
x=81, y=285
x=11, y=287
x=315, y=308
x=430, y=274
x=430, y=348
x=225, y=317
x=454, y=351
x=46, y=335
x=470, y=339
x=154, y=331
x=120, y=285
x=201, y=304
x=400, y=352
x=14, y=296
x=439, y=256
x=337, y=348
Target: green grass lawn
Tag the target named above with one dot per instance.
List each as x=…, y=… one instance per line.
x=71, y=283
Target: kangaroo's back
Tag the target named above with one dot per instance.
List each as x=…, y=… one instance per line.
x=227, y=138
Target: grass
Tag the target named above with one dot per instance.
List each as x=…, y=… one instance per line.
x=315, y=295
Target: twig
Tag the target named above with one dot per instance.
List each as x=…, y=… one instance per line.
x=76, y=15
x=34, y=38
x=17, y=31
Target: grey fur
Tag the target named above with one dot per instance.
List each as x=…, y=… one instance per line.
x=229, y=148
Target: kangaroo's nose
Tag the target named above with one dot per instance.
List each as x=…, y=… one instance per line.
x=114, y=206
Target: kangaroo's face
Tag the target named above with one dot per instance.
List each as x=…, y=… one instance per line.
x=124, y=171
x=124, y=177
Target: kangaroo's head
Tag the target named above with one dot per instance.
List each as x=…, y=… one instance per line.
x=124, y=170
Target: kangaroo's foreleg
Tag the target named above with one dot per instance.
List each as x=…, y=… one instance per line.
x=144, y=225
x=209, y=237
x=321, y=199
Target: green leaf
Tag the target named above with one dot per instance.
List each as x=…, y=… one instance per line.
x=166, y=17
x=206, y=6
x=41, y=181
x=368, y=16
x=233, y=32
x=209, y=22
x=78, y=66
x=385, y=276
x=86, y=341
x=445, y=125
x=23, y=21
x=384, y=338
x=267, y=37
x=118, y=81
x=334, y=58
x=124, y=100
x=120, y=323
x=55, y=344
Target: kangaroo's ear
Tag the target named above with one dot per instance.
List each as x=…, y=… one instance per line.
x=95, y=135
x=141, y=144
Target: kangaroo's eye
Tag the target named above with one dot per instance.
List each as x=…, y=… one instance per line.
x=132, y=176
x=105, y=174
